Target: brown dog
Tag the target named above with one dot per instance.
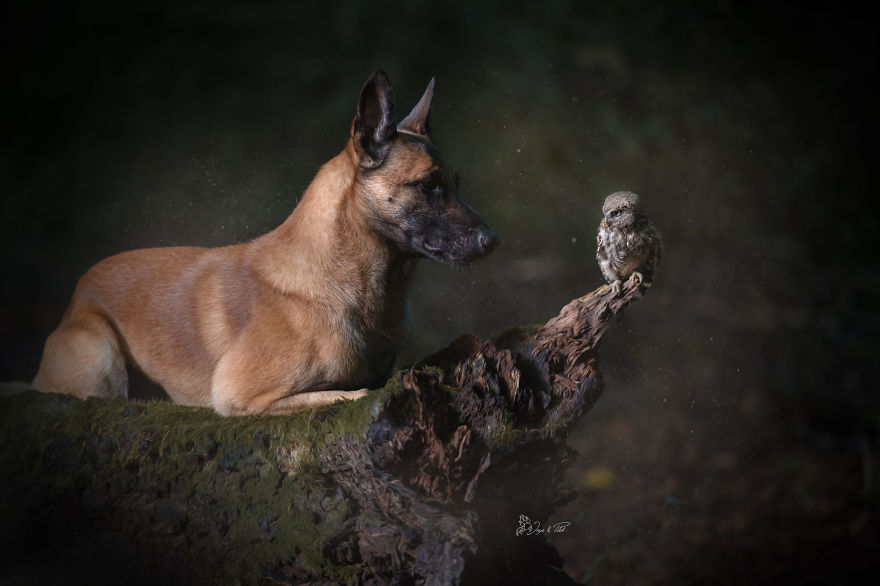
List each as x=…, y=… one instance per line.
x=285, y=321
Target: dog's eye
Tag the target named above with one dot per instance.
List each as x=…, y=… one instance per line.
x=430, y=186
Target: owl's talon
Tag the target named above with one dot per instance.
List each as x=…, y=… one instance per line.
x=637, y=278
x=615, y=288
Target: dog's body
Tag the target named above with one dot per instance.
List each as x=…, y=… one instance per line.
x=285, y=321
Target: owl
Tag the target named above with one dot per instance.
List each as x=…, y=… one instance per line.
x=628, y=243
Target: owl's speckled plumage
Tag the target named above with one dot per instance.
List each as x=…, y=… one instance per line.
x=628, y=244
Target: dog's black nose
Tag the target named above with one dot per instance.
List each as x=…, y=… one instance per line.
x=488, y=240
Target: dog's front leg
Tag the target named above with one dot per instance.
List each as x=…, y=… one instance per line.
x=251, y=379
x=230, y=401
x=310, y=399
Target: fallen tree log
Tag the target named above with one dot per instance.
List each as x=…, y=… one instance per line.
x=433, y=479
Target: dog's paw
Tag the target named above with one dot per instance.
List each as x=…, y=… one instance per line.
x=358, y=393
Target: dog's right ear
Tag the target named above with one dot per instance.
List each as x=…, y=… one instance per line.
x=373, y=128
x=417, y=120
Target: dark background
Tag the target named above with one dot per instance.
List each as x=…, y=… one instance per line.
x=737, y=439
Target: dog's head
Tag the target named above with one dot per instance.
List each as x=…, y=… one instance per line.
x=408, y=193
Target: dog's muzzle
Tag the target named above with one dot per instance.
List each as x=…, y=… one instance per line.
x=488, y=241
x=461, y=248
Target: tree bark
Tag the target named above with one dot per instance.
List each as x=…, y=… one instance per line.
x=434, y=479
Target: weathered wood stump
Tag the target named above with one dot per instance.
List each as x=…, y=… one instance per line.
x=420, y=482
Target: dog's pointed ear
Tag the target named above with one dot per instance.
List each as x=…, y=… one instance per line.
x=417, y=120
x=373, y=126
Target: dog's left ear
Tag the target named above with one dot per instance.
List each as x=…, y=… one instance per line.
x=373, y=126
x=417, y=121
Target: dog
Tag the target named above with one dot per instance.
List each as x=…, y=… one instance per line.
x=308, y=314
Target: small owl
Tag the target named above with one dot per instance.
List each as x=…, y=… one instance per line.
x=628, y=243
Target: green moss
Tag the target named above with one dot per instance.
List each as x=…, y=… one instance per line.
x=253, y=482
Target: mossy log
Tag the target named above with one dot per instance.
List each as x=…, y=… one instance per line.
x=420, y=482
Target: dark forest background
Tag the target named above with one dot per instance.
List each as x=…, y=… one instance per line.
x=737, y=439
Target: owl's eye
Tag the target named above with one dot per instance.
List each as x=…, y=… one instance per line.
x=616, y=213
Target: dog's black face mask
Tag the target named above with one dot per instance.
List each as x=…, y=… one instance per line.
x=410, y=194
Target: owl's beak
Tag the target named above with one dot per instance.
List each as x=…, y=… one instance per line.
x=604, y=223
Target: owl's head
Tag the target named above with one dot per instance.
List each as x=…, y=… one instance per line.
x=622, y=209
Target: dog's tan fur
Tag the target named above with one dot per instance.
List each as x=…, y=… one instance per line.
x=271, y=326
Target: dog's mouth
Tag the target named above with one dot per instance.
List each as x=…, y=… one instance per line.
x=460, y=250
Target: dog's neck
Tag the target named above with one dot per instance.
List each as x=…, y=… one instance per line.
x=326, y=252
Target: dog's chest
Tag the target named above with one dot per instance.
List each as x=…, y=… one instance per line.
x=371, y=343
